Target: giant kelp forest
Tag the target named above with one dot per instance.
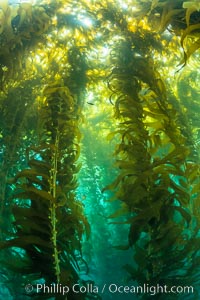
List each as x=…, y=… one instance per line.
x=100, y=141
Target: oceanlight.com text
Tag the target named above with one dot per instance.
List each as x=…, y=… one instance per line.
x=111, y=288
x=151, y=289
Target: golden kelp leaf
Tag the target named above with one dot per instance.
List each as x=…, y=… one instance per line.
x=155, y=125
x=31, y=174
x=31, y=226
x=189, y=11
x=77, y=152
x=191, y=30
x=26, y=212
x=137, y=227
x=120, y=212
x=155, y=140
x=195, y=46
x=117, y=181
x=195, y=188
x=24, y=242
x=157, y=115
x=49, y=90
x=170, y=239
x=192, y=171
x=61, y=199
x=168, y=169
x=34, y=194
x=122, y=247
x=125, y=164
x=140, y=222
x=168, y=14
x=160, y=88
x=191, y=6
x=164, y=230
x=185, y=214
x=182, y=193
x=196, y=207
x=140, y=255
x=40, y=166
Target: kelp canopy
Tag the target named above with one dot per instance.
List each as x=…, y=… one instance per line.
x=122, y=73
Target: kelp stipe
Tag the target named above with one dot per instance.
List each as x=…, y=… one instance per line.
x=49, y=221
x=159, y=173
x=14, y=110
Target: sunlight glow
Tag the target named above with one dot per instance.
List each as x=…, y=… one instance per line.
x=105, y=51
x=85, y=20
